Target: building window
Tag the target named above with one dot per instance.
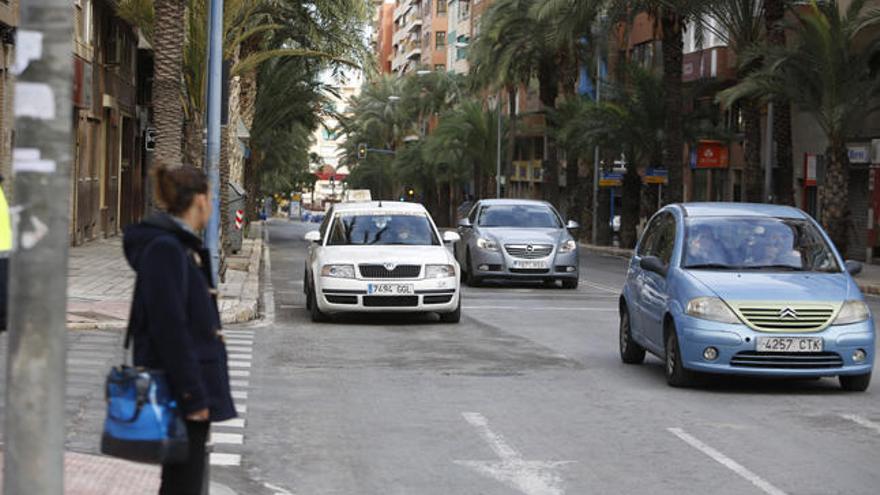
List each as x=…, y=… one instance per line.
x=441, y=7
x=439, y=68
x=83, y=28
x=441, y=39
x=464, y=9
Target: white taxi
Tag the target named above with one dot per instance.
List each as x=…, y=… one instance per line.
x=381, y=257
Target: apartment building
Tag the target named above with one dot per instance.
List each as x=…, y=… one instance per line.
x=383, y=31
x=459, y=35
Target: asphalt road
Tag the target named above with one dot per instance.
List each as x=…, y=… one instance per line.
x=526, y=396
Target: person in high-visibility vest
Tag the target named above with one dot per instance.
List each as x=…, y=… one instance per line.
x=5, y=252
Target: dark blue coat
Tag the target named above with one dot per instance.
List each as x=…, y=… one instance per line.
x=174, y=319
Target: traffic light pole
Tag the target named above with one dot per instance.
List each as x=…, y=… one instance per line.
x=34, y=425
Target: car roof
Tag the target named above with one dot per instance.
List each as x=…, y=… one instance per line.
x=390, y=206
x=501, y=202
x=740, y=210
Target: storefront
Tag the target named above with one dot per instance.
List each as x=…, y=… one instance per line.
x=711, y=176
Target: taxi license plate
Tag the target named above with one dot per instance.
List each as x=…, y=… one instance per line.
x=790, y=344
x=390, y=289
x=530, y=265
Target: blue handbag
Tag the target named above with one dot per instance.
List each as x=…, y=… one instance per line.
x=144, y=422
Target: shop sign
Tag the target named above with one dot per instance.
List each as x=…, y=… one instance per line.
x=859, y=153
x=710, y=154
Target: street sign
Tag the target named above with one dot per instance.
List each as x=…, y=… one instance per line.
x=656, y=176
x=611, y=179
x=710, y=154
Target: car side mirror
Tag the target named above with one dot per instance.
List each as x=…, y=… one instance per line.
x=572, y=225
x=853, y=267
x=465, y=223
x=449, y=237
x=653, y=264
x=313, y=236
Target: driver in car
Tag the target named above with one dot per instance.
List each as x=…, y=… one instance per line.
x=703, y=248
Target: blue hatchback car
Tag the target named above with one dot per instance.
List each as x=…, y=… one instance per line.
x=745, y=289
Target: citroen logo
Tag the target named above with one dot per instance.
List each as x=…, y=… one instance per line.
x=390, y=266
x=788, y=314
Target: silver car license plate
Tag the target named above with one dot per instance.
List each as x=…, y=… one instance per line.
x=790, y=344
x=390, y=289
x=530, y=265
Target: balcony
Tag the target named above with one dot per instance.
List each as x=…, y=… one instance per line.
x=415, y=24
x=712, y=63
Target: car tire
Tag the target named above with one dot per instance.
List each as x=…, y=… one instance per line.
x=470, y=279
x=570, y=283
x=315, y=312
x=855, y=383
x=453, y=317
x=676, y=374
x=630, y=351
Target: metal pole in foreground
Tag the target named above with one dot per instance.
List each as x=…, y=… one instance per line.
x=34, y=429
x=498, y=157
x=215, y=76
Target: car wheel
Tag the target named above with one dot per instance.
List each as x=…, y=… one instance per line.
x=315, y=312
x=630, y=351
x=453, y=317
x=676, y=374
x=570, y=283
x=471, y=279
x=855, y=383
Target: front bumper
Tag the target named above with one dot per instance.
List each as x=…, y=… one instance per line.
x=499, y=264
x=737, y=343
x=337, y=295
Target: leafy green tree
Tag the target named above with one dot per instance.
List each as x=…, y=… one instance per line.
x=827, y=72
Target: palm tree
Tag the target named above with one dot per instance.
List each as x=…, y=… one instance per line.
x=774, y=13
x=670, y=17
x=168, y=52
x=739, y=24
x=827, y=74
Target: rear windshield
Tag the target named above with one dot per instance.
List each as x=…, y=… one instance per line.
x=521, y=216
x=756, y=244
x=396, y=229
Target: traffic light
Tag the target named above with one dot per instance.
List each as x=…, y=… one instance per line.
x=411, y=193
x=362, y=151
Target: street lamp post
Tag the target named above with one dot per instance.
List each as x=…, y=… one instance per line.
x=498, y=150
x=215, y=81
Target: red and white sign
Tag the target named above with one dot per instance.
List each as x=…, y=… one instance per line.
x=239, y=219
x=712, y=154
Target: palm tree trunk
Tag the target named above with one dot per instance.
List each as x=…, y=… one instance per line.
x=548, y=80
x=573, y=187
x=167, y=107
x=629, y=217
x=673, y=146
x=754, y=173
x=834, y=195
x=511, y=136
x=193, y=140
x=774, y=12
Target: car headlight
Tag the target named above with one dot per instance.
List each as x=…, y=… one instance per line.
x=338, y=271
x=852, y=312
x=487, y=245
x=712, y=309
x=568, y=246
x=439, y=271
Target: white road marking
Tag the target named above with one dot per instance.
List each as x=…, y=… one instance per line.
x=727, y=462
x=230, y=423
x=290, y=306
x=862, y=421
x=239, y=394
x=277, y=489
x=234, y=341
x=239, y=348
x=239, y=383
x=240, y=373
x=241, y=408
x=239, y=364
x=544, y=308
x=239, y=357
x=230, y=438
x=220, y=459
x=528, y=477
x=240, y=333
x=601, y=287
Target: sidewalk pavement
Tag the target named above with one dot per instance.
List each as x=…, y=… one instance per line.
x=100, y=285
x=868, y=281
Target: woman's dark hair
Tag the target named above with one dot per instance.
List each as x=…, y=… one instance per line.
x=175, y=188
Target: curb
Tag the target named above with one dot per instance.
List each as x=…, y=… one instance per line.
x=97, y=325
x=248, y=306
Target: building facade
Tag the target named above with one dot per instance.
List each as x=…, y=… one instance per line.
x=383, y=32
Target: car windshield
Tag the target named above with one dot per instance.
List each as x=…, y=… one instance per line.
x=520, y=216
x=756, y=244
x=379, y=229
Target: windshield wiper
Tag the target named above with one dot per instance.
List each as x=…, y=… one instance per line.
x=710, y=266
x=775, y=267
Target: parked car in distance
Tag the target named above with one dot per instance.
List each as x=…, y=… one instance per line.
x=517, y=240
x=381, y=257
x=744, y=289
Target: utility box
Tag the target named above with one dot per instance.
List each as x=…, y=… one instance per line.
x=236, y=216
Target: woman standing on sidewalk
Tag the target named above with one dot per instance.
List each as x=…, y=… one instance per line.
x=175, y=322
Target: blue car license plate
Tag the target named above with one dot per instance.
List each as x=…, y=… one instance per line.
x=790, y=344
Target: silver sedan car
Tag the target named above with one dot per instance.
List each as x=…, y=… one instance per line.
x=517, y=240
